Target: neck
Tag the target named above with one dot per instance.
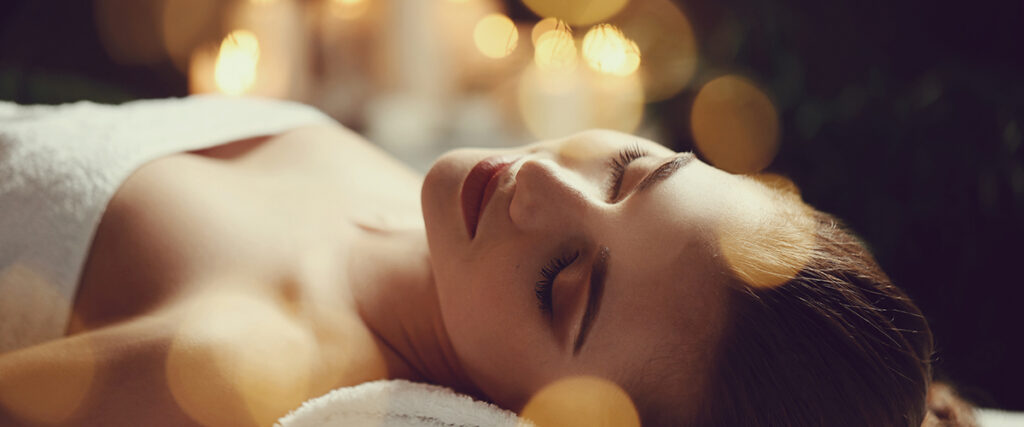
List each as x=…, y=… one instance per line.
x=394, y=293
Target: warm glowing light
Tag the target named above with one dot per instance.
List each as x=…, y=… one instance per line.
x=772, y=249
x=582, y=401
x=576, y=12
x=556, y=51
x=41, y=392
x=235, y=69
x=22, y=286
x=667, y=45
x=495, y=35
x=777, y=182
x=349, y=9
x=545, y=25
x=556, y=103
x=609, y=51
x=239, y=360
x=735, y=125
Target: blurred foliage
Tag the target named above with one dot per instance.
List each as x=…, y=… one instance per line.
x=904, y=119
x=57, y=87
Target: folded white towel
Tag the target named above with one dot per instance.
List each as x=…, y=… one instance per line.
x=398, y=403
x=999, y=418
x=60, y=166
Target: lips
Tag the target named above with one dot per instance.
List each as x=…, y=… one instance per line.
x=478, y=188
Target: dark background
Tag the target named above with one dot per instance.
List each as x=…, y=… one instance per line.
x=903, y=118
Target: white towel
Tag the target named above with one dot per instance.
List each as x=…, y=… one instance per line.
x=999, y=418
x=60, y=166
x=398, y=403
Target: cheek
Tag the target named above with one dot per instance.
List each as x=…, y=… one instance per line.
x=486, y=308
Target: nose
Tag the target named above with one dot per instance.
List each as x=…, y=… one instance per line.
x=548, y=196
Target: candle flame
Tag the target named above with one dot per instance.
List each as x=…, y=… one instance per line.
x=235, y=69
x=609, y=51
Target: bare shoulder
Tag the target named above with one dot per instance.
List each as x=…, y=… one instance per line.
x=106, y=376
x=223, y=358
x=321, y=145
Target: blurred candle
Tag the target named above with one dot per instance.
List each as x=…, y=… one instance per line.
x=264, y=54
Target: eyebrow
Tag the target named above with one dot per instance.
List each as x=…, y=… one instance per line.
x=664, y=171
x=594, y=297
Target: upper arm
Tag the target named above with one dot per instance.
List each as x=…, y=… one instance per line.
x=109, y=376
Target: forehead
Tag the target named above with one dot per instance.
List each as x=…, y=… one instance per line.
x=666, y=281
x=587, y=143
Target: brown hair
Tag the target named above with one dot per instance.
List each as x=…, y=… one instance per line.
x=836, y=344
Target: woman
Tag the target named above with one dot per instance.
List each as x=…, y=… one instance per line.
x=228, y=284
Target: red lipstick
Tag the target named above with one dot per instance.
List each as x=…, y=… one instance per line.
x=478, y=188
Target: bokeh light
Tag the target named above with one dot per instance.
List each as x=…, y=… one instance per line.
x=607, y=50
x=545, y=25
x=666, y=42
x=777, y=182
x=555, y=104
x=735, y=125
x=235, y=68
x=555, y=51
x=772, y=246
x=495, y=35
x=21, y=286
x=576, y=12
x=238, y=360
x=581, y=401
x=42, y=391
x=348, y=9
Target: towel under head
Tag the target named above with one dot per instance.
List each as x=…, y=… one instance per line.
x=398, y=403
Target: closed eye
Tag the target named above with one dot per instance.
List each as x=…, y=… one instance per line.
x=543, y=287
x=617, y=165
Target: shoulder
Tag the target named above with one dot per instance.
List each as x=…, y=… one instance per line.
x=213, y=360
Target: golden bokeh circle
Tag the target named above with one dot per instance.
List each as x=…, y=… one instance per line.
x=235, y=68
x=581, y=401
x=545, y=25
x=348, y=9
x=555, y=104
x=666, y=42
x=607, y=50
x=556, y=51
x=778, y=182
x=239, y=360
x=735, y=125
x=576, y=12
x=40, y=391
x=495, y=35
x=770, y=248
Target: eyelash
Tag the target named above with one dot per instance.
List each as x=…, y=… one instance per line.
x=543, y=287
x=548, y=274
x=618, y=166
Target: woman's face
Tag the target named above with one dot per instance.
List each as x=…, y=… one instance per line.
x=592, y=255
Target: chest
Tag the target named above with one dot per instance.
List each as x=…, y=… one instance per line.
x=273, y=213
